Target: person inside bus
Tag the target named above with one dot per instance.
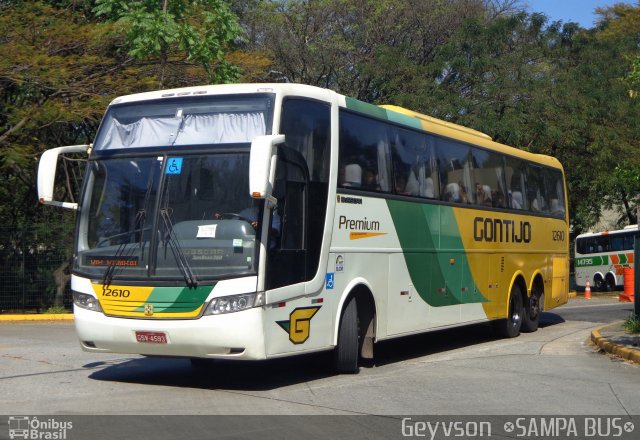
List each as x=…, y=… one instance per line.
x=420, y=185
x=451, y=192
x=401, y=185
x=464, y=197
x=352, y=176
x=370, y=180
x=483, y=194
x=456, y=192
x=498, y=199
x=556, y=209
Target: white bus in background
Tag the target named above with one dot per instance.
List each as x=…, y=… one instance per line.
x=602, y=256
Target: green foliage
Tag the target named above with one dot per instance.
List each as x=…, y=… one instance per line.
x=632, y=324
x=55, y=310
x=174, y=31
x=356, y=47
x=634, y=77
x=60, y=66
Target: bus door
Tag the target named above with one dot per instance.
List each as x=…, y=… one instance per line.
x=293, y=321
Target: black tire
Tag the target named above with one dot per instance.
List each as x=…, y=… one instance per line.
x=532, y=311
x=346, y=352
x=598, y=284
x=610, y=283
x=510, y=327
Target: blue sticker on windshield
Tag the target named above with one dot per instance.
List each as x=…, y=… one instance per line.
x=174, y=166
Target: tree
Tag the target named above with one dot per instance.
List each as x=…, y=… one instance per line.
x=172, y=32
x=60, y=66
x=547, y=88
x=355, y=47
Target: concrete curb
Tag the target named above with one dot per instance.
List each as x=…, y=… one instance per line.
x=38, y=317
x=622, y=351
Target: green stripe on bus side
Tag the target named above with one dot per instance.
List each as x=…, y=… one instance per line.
x=599, y=260
x=404, y=119
x=435, y=279
x=368, y=109
x=381, y=113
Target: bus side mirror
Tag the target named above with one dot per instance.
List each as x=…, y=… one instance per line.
x=262, y=166
x=47, y=174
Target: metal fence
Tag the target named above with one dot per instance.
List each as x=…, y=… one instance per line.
x=34, y=267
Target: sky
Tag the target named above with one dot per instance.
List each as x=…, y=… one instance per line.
x=579, y=11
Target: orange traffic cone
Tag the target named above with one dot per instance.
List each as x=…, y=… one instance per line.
x=587, y=291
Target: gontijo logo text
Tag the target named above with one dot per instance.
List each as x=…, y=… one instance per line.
x=503, y=231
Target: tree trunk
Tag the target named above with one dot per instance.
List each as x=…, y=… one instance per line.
x=61, y=276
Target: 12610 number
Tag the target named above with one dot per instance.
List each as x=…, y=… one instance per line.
x=116, y=293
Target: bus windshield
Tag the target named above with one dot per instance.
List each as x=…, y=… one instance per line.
x=167, y=217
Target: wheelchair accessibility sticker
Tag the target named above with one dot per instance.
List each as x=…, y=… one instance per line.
x=174, y=166
x=329, y=282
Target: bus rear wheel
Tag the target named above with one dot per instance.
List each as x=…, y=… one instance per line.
x=610, y=283
x=510, y=327
x=532, y=311
x=346, y=352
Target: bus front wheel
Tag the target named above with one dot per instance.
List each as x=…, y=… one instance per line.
x=510, y=327
x=346, y=352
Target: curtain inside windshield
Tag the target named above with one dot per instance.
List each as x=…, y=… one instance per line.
x=175, y=122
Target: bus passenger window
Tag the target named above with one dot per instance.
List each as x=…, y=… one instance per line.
x=516, y=183
x=414, y=164
x=363, y=144
x=455, y=170
x=488, y=174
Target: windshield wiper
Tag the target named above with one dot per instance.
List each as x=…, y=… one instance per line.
x=138, y=227
x=122, y=247
x=176, y=250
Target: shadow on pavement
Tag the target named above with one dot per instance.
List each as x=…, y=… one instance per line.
x=548, y=319
x=276, y=373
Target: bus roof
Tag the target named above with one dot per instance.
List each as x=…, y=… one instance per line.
x=228, y=89
x=627, y=229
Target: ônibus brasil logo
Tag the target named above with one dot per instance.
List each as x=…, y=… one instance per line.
x=32, y=428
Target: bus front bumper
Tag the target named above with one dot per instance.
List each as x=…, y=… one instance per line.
x=233, y=335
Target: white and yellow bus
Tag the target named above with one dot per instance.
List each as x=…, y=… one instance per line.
x=259, y=221
x=601, y=257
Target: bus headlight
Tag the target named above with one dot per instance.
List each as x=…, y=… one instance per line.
x=234, y=303
x=85, y=301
